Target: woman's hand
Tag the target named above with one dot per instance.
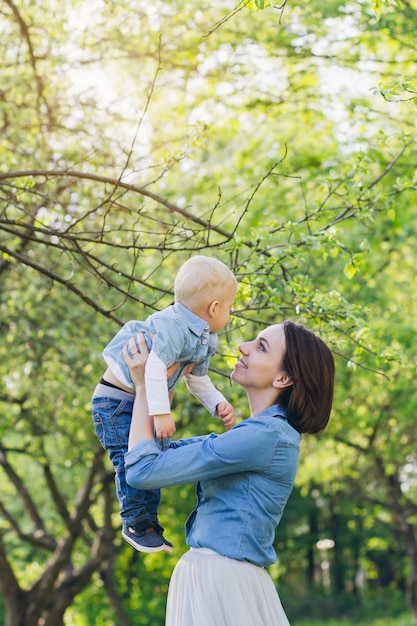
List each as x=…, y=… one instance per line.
x=136, y=359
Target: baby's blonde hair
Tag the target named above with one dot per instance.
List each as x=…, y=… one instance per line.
x=202, y=279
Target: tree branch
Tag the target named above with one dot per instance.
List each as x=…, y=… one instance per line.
x=118, y=183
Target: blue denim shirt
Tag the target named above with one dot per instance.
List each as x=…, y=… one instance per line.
x=245, y=477
x=179, y=336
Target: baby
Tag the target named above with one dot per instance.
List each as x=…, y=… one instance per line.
x=181, y=339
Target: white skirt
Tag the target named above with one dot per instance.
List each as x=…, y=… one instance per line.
x=208, y=589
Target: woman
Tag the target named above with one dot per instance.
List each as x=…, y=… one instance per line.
x=244, y=477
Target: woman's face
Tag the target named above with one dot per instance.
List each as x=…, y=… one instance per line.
x=260, y=363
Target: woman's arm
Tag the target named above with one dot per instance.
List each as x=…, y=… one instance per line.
x=249, y=446
x=142, y=427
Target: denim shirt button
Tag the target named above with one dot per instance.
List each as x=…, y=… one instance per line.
x=204, y=342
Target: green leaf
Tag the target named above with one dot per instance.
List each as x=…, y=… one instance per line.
x=349, y=270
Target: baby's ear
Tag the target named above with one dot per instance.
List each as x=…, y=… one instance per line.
x=212, y=308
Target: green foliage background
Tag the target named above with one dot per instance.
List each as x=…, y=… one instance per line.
x=281, y=140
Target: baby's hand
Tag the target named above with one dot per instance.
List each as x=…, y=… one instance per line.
x=227, y=414
x=164, y=425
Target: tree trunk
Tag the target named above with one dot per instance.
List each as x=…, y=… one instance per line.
x=45, y=602
x=338, y=578
x=401, y=508
x=311, y=560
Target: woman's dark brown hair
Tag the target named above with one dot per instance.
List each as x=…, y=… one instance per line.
x=309, y=363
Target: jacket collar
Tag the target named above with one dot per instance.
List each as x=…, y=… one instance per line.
x=194, y=323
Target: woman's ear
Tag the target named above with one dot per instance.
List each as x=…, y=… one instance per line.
x=282, y=381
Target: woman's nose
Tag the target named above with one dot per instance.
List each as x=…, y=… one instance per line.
x=242, y=348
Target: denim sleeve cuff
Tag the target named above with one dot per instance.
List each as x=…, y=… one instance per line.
x=141, y=449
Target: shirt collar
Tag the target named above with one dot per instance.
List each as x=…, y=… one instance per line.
x=275, y=411
x=194, y=323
